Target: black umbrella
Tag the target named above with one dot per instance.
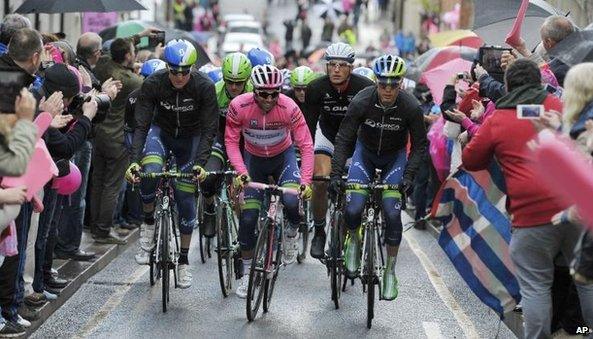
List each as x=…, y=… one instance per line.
x=494, y=19
x=68, y=6
x=575, y=48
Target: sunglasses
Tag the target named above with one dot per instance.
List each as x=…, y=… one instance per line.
x=235, y=83
x=389, y=82
x=266, y=95
x=183, y=72
x=334, y=64
x=300, y=89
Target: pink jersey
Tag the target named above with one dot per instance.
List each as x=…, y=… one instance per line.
x=267, y=134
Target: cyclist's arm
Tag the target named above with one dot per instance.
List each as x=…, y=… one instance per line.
x=419, y=143
x=208, y=120
x=302, y=137
x=346, y=138
x=143, y=113
x=232, y=136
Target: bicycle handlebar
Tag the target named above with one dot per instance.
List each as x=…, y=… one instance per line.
x=381, y=187
x=262, y=186
x=165, y=175
x=221, y=173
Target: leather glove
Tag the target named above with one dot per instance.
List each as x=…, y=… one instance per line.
x=336, y=187
x=131, y=176
x=241, y=180
x=199, y=173
x=306, y=192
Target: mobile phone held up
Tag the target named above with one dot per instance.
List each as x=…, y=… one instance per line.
x=159, y=38
x=490, y=58
x=531, y=112
x=11, y=84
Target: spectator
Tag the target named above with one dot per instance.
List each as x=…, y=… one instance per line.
x=305, y=34
x=535, y=241
x=327, y=33
x=88, y=52
x=288, y=36
x=188, y=13
x=26, y=53
x=552, y=31
x=110, y=157
x=179, y=14
x=10, y=24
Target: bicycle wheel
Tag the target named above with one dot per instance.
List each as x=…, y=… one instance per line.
x=370, y=276
x=271, y=282
x=200, y=227
x=303, y=246
x=335, y=260
x=154, y=271
x=165, y=260
x=223, y=251
x=257, y=273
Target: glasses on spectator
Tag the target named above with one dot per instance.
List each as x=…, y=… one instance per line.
x=183, y=72
x=266, y=95
x=300, y=89
x=338, y=64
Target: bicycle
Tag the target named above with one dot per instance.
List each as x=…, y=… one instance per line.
x=205, y=242
x=372, y=251
x=264, y=265
x=165, y=255
x=227, y=244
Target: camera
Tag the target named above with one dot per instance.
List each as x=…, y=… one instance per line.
x=103, y=105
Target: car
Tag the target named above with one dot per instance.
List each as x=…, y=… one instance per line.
x=244, y=27
x=240, y=42
x=237, y=17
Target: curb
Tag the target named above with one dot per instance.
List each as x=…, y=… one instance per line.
x=78, y=272
x=512, y=320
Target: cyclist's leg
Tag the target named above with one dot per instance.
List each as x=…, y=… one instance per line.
x=324, y=149
x=392, y=171
x=360, y=172
x=287, y=174
x=185, y=151
x=211, y=186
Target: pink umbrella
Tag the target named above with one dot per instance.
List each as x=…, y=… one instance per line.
x=436, y=78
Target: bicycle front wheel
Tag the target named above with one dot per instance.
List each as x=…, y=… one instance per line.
x=275, y=267
x=165, y=259
x=370, y=276
x=335, y=260
x=257, y=274
x=223, y=251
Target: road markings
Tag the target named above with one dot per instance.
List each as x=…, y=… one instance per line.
x=111, y=303
x=432, y=330
x=467, y=326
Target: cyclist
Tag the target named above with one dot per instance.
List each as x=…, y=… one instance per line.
x=269, y=123
x=236, y=69
x=259, y=56
x=365, y=72
x=176, y=112
x=300, y=77
x=328, y=98
x=376, y=127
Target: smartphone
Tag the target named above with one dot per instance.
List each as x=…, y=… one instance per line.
x=159, y=38
x=529, y=111
x=11, y=84
x=490, y=58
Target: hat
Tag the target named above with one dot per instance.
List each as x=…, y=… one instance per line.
x=59, y=78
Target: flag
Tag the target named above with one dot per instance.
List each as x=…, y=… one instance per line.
x=476, y=235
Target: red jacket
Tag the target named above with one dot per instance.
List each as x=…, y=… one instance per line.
x=505, y=137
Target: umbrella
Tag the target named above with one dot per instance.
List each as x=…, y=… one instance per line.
x=68, y=6
x=435, y=57
x=575, y=48
x=494, y=19
x=455, y=38
x=331, y=8
x=436, y=78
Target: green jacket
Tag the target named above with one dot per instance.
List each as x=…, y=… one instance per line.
x=223, y=102
x=111, y=131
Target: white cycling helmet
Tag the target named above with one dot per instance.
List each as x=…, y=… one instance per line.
x=340, y=51
x=266, y=77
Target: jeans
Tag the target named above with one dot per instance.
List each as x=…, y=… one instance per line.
x=50, y=201
x=424, y=188
x=23, y=224
x=8, y=272
x=533, y=250
x=70, y=229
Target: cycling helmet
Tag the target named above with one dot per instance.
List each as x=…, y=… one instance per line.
x=215, y=74
x=302, y=76
x=286, y=78
x=266, y=77
x=236, y=67
x=259, y=56
x=151, y=66
x=180, y=54
x=365, y=72
x=389, y=67
x=339, y=51
x=207, y=68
